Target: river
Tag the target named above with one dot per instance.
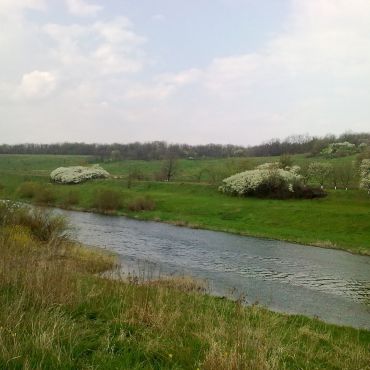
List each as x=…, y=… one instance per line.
x=329, y=284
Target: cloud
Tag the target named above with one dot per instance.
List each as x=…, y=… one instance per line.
x=311, y=76
x=12, y=6
x=82, y=8
x=164, y=85
x=110, y=47
x=324, y=40
x=37, y=84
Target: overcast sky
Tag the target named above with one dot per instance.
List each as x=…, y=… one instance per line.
x=194, y=71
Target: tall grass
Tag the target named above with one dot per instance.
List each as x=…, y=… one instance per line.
x=141, y=204
x=57, y=313
x=106, y=200
x=72, y=198
x=40, y=194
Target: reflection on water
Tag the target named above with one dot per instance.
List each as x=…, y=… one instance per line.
x=330, y=284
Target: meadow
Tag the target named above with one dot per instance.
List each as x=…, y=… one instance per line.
x=341, y=220
x=57, y=311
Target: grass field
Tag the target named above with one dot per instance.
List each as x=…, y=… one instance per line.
x=341, y=220
x=56, y=312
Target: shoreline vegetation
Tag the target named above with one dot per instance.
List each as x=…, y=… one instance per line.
x=339, y=221
x=59, y=309
x=137, y=217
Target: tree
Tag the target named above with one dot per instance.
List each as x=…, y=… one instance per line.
x=169, y=168
x=285, y=161
x=365, y=175
x=346, y=174
x=115, y=155
x=320, y=172
x=334, y=175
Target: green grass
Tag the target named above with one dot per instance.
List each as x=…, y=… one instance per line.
x=56, y=312
x=341, y=220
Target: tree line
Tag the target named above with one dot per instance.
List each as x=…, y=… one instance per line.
x=297, y=144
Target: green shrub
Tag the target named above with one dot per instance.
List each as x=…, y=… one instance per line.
x=141, y=204
x=28, y=189
x=72, y=198
x=107, y=200
x=44, y=195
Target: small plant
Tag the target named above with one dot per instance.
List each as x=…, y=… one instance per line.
x=44, y=195
x=72, y=198
x=106, y=200
x=141, y=204
x=28, y=189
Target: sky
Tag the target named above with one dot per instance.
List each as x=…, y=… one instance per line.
x=195, y=71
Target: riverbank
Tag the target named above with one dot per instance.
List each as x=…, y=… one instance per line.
x=56, y=312
x=339, y=221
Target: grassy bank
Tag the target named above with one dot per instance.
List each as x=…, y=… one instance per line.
x=56, y=312
x=341, y=220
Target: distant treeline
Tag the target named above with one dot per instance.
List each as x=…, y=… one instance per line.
x=297, y=144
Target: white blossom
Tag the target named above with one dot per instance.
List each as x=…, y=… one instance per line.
x=365, y=174
x=268, y=166
x=248, y=182
x=77, y=174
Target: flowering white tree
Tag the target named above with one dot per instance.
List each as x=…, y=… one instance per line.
x=365, y=175
x=320, y=172
x=77, y=174
x=248, y=182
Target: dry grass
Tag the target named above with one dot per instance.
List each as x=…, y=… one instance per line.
x=57, y=313
x=107, y=200
x=141, y=204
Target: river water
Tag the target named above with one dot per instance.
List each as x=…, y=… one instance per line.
x=329, y=284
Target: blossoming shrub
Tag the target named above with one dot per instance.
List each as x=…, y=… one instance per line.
x=340, y=149
x=77, y=174
x=269, y=181
x=365, y=175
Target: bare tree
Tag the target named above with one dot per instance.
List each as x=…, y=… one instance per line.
x=170, y=167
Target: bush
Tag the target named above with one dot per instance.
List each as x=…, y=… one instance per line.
x=141, y=204
x=268, y=181
x=28, y=189
x=41, y=224
x=72, y=198
x=107, y=200
x=44, y=195
x=285, y=161
x=33, y=190
x=365, y=175
x=339, y=149
x=77, y=174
